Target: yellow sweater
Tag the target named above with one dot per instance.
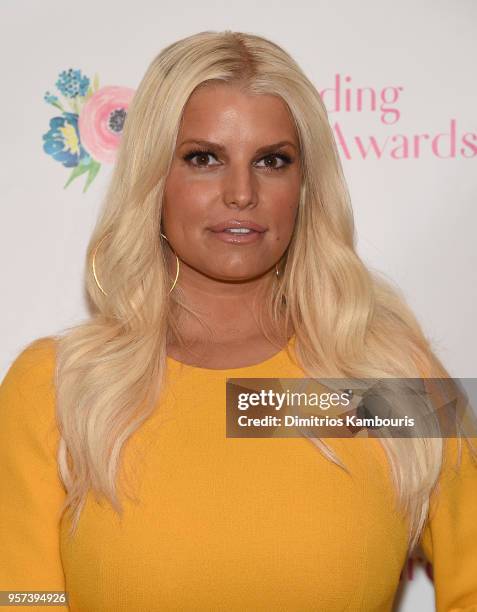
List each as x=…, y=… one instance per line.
x=225, y=524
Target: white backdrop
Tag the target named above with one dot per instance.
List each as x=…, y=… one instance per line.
x=415, y=210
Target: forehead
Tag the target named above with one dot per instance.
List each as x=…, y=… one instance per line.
x=225, y=111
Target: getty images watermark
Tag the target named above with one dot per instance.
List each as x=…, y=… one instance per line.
x=347, y=408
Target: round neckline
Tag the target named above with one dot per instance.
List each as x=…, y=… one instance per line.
x=275, y=357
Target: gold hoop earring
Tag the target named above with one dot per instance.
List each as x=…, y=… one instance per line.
x=177, y=267
x=96, y=276
x=94, y=264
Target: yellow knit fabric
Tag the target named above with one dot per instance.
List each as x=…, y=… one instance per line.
x=229, y=524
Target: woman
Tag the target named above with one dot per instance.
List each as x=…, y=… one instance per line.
x=224, y=132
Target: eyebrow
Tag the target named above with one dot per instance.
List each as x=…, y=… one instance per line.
x=221, y=148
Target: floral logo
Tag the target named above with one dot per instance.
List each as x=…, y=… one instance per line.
x=88, y=131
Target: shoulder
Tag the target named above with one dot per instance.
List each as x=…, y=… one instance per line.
x=28, y=427
x=37, y=357
x=29, y=381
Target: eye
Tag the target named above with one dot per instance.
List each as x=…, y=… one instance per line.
x=201, y=155
x=284, y=159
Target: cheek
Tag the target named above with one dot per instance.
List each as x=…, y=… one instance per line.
x=284, y=211
x=185, y=201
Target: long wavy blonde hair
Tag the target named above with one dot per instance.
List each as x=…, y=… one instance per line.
x=348, y=322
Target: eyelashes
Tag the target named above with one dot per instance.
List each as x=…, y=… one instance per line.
x=283, y=157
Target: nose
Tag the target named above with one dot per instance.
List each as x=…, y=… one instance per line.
x=240, y=187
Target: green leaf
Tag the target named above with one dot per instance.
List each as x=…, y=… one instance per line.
x=95, y=82
x=58, y=105
x=93, y=171
x=77, y=171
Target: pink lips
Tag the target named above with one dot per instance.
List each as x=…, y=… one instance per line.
x=256, y=231
x=232, y=238
x=233, y=223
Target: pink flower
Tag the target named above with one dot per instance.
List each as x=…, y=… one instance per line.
x=101, y=121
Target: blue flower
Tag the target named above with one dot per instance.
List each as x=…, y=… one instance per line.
x=72, y=83
x=62, y=141
x=50, y=98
